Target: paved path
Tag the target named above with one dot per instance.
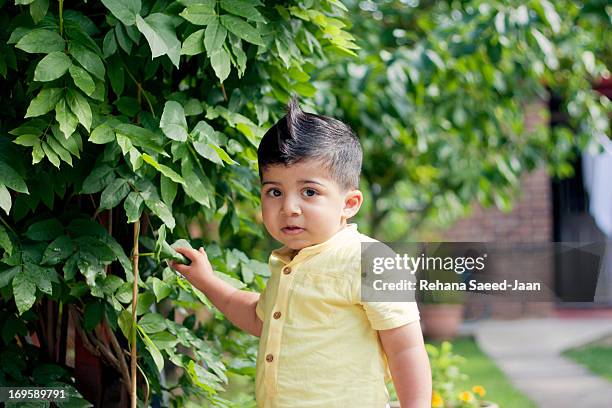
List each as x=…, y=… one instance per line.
x=529, y=352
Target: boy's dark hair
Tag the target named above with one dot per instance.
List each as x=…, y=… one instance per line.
x=300, y=135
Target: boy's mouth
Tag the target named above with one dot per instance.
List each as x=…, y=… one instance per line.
x=292, y=230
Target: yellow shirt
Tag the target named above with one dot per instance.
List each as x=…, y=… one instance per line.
x=319, y=346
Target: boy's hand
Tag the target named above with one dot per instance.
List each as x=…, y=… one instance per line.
x=200, y=268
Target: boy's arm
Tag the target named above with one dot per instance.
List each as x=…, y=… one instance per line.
x=237, y=305
x=409, y=364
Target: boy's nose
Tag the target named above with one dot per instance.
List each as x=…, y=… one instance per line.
x=291, y=207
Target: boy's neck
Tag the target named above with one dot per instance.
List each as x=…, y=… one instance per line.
x=294, y=252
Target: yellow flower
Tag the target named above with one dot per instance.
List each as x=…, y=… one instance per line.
x=436, y=400
x=466, y=396
x=479, y=389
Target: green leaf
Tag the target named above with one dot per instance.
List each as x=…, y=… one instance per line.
x=173, y=122
x=65, y=118
x=63, y=154
x=111, y=284
x=5, y=199
x=125, y=10
x=205, y=139
x=114, y=193
x=145, y=300
x=92, y=315
x=5, y=241
x=241, y=57
x=45, y=230
x=152, y=323
x=58, y=250
x=547, y=48
x=162, y=211
x=12, y=179
x=214, y=37
x=41, y=41
x=37, y=153
x=102, y=134
x=44, y=102
x=242, y=29
x=159, y=31
x=193, y=186
x=109, y=44
x=26, y=140
x=87, y=59
x=122, y=38
x=165, y=170
x=194, y=44
x=203, y=378
x=125, y=322
x=200, y=14
x=117, y=78
x=160, y=288
x=141, y=137
x=7, y=275
x=222, y=154
x=73, y=144
x=51, y=67
x=242, y=8
x=24, y=291
x=153, y=350
x=80, y=107
x=164, y=340
x=133, y=206
x=220, y=61
x=82, y=79
x=50, y=154
x=98, y=179
x=168, y=190
x=38, y=10
x=41, y=276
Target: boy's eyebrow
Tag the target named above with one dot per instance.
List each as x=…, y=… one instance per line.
x=303, y=181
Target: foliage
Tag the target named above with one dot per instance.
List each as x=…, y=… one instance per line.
x=147, y=113
x=446, y=374
x=126, y=113
x=440, y=92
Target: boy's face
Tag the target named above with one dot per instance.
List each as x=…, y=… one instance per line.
x=301, y=204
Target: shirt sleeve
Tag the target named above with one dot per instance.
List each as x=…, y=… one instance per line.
x=259, y=308
x=389, y=315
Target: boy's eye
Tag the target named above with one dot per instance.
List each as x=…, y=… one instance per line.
x=274, y=192
x=309, y=192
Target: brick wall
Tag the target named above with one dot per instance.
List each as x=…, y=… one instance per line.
x=530, y=221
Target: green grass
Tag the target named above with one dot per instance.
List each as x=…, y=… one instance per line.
x=596, y=356
x=481, y=370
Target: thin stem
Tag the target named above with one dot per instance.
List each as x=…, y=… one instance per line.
x=133, y=355
x=61, y=17
x=7, y=226
x=140, y=89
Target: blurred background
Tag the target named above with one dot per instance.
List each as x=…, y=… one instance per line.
x=480, y=121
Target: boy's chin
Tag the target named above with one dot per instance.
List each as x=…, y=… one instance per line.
x=296, y=245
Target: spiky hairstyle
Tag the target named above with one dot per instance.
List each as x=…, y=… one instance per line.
x=299, y=136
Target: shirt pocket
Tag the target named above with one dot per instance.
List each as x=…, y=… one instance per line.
x=316, y=299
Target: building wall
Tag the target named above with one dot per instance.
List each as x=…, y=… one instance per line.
x=529, y=222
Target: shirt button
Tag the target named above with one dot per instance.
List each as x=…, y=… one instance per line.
x=276, y=315
x=287, y=270
x=269, y=358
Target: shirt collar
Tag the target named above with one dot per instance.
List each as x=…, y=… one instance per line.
x=284, y=253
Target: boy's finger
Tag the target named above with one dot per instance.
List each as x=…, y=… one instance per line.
x=188, y=252
x=180, y=268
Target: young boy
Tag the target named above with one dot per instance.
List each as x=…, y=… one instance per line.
x=320, y=346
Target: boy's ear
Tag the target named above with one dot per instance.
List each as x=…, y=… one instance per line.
x=352, y=203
